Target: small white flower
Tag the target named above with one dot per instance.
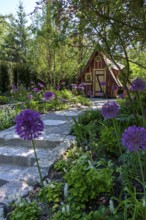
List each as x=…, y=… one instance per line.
x=63, y=209
x=111, y=206
x=143, y=203
x=67, y=208
x=65, y=190
x=52, y=186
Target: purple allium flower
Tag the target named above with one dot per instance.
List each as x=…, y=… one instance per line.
x=57, y=87
x=134, y=138
x=49, y=95
x=29, y=124
x=115, y=87
x=32, y=83
x=41, y=85
x=30, y=96
x=35, y=89
x=110, y=110
x=121, y=96
x=89, y=93
x=103, y=83
x=138, y=85
x=14, y=87
x=62, y=83
x=81, y=86
x=74, y=86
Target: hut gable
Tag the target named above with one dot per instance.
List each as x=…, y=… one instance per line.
x=101, y=75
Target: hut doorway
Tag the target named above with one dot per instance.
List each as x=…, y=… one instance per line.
x=99, y=82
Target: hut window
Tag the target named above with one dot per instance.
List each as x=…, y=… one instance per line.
x=88, y=77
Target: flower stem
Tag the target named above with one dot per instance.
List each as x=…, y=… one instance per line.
x=117, y=135
x=142, y=175
x=140, y=102
x=40, y=175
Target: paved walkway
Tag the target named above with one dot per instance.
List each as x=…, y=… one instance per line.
x=18, y=171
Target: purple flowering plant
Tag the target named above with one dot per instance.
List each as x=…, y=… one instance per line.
x=30, y=126
x=49, y=95
x=110, y=110
x=134, y=138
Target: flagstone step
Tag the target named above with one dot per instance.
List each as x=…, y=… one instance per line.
x=24, y=156
x=10, y=138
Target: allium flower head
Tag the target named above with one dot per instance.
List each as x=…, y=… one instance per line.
x=121, y=96
x=115, y=87
x=74, y=86
x=138, y=85
x=30, y=96
x=49, y=95
x=134, y=138
x=57, y=87
x=36, y=89
x=41, y=85
x=62, y=83
x=29, y=124
x=89, y=93
x=110, y=110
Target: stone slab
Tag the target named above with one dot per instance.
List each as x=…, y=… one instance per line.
x=54, y=122
x=13, y=190
x=10, y=138
x=9, y=172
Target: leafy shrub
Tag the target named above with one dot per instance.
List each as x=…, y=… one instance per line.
x=107, y=140
x=83, y=100
x=64, y=94
x=53, y=193
x=86, y=181
x=25, y=210
x=7, y=116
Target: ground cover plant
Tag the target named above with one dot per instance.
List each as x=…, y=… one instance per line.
x=103, y=176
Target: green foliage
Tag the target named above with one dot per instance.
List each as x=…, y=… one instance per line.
x=107, y=140
x=86, y=181
x=25, y=210
x=53, y=192
x=102, y=213
x=4, y=100
x=88, y=126
x=34, y=105
x=90, y=116
x=7, y=117
x=62, y=165
x=83, y=100
x=132, y=207
x=64, y=94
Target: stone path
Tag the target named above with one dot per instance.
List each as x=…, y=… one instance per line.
x=18, y=171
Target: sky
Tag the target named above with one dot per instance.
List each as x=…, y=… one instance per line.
x=11, y=6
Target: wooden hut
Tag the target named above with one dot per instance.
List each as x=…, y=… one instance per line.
x=100, y=76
